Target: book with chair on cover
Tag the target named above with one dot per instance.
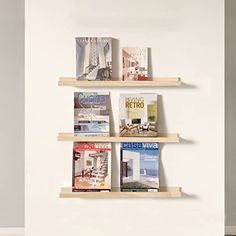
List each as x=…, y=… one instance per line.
x=138, y=115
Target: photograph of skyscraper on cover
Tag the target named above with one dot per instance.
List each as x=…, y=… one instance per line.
x=140, y=168
x=93, y=58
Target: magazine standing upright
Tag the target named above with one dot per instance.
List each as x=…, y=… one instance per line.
x=165, y=192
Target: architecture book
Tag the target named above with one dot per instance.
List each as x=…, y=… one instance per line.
x=92, y=113
x=135, y=63
x=138, y=114
x=91, y=167
x=139, y=167
x=93, y=58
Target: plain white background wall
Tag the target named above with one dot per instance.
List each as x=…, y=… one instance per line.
x=12, y=113
x=186, y=38
x=230, y=109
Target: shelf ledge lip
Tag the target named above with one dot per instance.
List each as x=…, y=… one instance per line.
x=161, y=138
x=165, y=192
x=156, y=81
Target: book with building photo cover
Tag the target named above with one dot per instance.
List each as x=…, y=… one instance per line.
x=135, y=63
x=92, y=113
x=139, y=167
x=138, y=114
x=93, y=58
x=91, y=167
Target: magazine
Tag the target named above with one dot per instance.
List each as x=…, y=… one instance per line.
x=91, y=167
x=93, y=58
x=139, y=167
x=138, y=114
x=92, y=113
x=135, y=63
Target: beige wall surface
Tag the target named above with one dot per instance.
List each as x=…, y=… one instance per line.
x=12, y=113
x=186, y=38
x=230, y=115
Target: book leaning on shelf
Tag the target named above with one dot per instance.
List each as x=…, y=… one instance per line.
x=139, y=167
x=91, y=167
x=93, y=58
x=138, y=115
x=92, y=113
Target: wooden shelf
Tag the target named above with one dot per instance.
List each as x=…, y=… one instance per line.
x=155, y=82
x=162, y=138
x=165, y=192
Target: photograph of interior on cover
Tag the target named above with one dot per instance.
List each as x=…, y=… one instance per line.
x=139, y=167
x=93, y=58
x=135, y=63
x=92, y=113
x=91, y=166
x=138, y=114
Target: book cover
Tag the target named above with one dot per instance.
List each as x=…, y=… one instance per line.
x=93, y=58
x=92, y=113
x=91, y=167
x=135, y=63
x=138, y=114
x=139, y=167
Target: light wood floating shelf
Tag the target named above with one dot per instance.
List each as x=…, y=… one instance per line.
x=165, y=192
x=155, y=82
x=162, y=138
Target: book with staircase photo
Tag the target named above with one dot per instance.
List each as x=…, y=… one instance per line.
x=91, y=167
x=139, y=167
x=94, y=58
x=138, y=115
x=135, y=63
x=92, y=113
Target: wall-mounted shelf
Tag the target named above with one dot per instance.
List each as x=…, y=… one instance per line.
x=165, y=192
x=162, y=138
x=155, y=82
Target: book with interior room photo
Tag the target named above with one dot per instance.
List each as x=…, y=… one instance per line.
x=92, y=113
x=139, y=167
x=138, y=115
x=135, y=63
x=93, y=58
x=91, y=167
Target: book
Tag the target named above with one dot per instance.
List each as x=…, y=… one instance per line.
x=138, y=114
x=92, y=113
x=135, y=63
x=93, y=58
x=139, y=167
x=91, y=167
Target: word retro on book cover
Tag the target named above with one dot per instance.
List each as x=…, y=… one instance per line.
x=91, y=167
x=92, y=113
x=93, y=58
x=138, y=114
x=135, y=63
x=139, y=167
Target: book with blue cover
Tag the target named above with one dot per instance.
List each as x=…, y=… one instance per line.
x=92, y=113
x=139, y=167
x=93, y=58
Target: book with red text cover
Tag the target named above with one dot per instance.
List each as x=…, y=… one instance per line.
x=91, y=167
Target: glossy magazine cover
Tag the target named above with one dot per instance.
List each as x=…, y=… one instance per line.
x=135, y=63
x=139, y=167
x=92, y=113
x=138, y=114
x=93, y=58
x=91, y=166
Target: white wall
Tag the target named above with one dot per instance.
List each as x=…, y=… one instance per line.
x=230, y=109
x=12, y=113
x=186, y=38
